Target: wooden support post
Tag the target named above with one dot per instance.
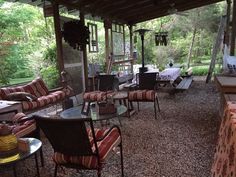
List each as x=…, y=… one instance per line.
x=233, y=33
x=216, y=47
x=131, y=46
x=227, y=22
x=85, y=58
x=107, y=45
x=58, y=35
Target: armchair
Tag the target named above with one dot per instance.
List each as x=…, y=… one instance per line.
x=78, y=145
x=145, y=90
x=106, y=84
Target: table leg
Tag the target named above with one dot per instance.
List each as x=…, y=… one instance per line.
x=14, y=170
x=37, y=164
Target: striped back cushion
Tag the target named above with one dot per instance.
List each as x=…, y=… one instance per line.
x=37, y=88
x=7, y=90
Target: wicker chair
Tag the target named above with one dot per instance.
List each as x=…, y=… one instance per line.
x=145, y=90
x=78, y=145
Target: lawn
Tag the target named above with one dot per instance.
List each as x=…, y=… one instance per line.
x=20, y=80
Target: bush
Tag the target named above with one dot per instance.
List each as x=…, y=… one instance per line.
x=24, y=73
x=50, y=75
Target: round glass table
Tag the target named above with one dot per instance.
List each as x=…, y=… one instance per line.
x=34, y=147
x=75, y=113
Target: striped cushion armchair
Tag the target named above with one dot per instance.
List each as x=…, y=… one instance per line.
x=145, y=91
x=77, y=144
x=106, y=85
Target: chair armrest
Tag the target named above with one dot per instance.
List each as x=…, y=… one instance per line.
x=55, y=89
x=7, y=112
x=25, y=119
x=104, y=136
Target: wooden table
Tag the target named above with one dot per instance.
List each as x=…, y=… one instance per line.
x=6, y=106
x=226, y=84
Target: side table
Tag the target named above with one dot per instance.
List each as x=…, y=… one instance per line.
x=123, y=96
x=34, y=146
x=6, y=106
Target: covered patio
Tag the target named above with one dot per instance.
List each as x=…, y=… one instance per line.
x=181, y=141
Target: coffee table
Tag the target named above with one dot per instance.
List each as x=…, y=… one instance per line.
x=34, y=147
x=75, y=113
x=6, y=106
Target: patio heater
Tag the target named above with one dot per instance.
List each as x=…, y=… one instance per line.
x=142, y=33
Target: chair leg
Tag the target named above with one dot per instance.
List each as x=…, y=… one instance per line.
x=41, y=157
x=55, y=171
x=155, y=109
x=138, y=105
x=99, y=173
x=121, y=159
x=158, y=106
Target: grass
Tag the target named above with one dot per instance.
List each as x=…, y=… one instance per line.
x=20, y=80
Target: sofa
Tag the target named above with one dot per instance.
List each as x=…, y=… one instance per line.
x=34, y=95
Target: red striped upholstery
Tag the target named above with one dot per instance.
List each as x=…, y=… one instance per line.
x=22, y=129
x=37, y=88
x=45, y=100
x=142, y=95
x=104, y=147
x=95, y=96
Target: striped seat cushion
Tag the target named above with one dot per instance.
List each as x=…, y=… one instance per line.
x=45, y=100
x=105, y=146
x=95, y=96
x=142, y=95
x=22, y=129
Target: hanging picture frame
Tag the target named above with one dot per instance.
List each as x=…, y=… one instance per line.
x=93, y=38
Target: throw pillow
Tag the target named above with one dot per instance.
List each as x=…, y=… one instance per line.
x=20, y=96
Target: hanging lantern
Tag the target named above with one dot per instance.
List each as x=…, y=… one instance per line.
x=161, y=38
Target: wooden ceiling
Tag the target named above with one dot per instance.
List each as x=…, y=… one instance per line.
x=128, y=11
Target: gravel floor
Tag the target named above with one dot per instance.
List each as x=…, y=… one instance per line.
x=180, y=143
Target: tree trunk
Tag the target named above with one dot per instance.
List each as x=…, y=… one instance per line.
x=191, y=46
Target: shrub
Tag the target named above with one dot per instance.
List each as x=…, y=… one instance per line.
x=51, y=76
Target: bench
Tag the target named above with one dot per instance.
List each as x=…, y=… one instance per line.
x=185, y=83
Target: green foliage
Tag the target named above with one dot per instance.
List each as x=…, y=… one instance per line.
x=51, y=76
x=50, y=54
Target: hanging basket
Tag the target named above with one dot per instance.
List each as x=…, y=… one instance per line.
x=75, y=34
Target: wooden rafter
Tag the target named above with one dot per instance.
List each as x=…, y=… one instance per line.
x=128, y=11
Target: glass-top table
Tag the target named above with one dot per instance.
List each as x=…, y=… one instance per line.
x=75, y=113
x=34, y=147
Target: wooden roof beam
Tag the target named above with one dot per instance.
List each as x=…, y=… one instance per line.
x=137, y=18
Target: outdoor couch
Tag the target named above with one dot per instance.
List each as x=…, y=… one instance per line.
x=34, y=95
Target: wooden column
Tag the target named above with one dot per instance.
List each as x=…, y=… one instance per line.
x=227, y=22
x=58, y=35
x=107, y=44
x=131, y=46
x=233, y=34
x=85, y=58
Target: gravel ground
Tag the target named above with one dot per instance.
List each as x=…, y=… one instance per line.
x=180, y=143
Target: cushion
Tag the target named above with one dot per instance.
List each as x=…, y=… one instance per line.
x=20, y=96
x=105, y=146
x=142, y=95
x=24, y=128
x=95, y=96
